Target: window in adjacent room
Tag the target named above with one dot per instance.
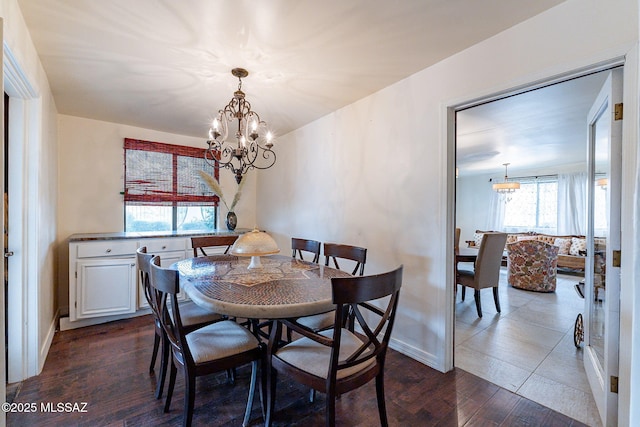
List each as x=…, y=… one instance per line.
x=163, y=191
x=600, y=208
x=533, y=207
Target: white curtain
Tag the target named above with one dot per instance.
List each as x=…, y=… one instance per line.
x=495, y=221
x=572, y=204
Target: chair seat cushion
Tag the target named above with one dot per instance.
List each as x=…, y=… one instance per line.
x=465, y=277
x=192, y=314
x=219, y=340
x=318, y=322
x=312, y=357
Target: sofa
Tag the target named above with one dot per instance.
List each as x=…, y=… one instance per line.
x=571, y=253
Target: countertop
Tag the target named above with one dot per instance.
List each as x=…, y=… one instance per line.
x=80, y=237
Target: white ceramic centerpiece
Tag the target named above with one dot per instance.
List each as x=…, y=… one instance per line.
x=254, y=244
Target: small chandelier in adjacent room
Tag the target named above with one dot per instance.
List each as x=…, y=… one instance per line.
x=507, y=186
x=252, y=148
x=602, y=183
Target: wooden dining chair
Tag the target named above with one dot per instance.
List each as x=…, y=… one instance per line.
x=339, y=360
x=199, y=243
x=193, y=317
x=486, y=270
x=333, y=252
x=300, y=245
x=213, y=348
x=144, y=268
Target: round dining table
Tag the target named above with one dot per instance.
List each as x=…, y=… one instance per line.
x=284, y=287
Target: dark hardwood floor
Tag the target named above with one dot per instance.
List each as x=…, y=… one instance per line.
x=106, y=367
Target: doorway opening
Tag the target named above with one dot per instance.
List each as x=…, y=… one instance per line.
x=528, y=347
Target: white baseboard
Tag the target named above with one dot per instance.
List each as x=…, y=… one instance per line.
x=415, y=353
x=65, y=324
x=410, y=351
x=46, y=345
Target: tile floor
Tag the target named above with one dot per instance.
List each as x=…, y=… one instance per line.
x=528, y=348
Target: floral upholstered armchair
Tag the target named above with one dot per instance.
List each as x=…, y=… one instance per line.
x=532, y=265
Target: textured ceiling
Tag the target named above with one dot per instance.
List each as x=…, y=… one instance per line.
x=543, y=128
x=165, y=65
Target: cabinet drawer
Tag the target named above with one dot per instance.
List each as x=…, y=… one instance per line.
x=155, y=246
x=106, y=248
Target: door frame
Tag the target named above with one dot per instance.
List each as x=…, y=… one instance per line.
x=630, y=132
x=23, y=320
x=606, y=401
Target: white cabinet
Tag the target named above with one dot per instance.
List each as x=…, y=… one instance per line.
x=102, y=278
x=103, y=275
x=105, y=287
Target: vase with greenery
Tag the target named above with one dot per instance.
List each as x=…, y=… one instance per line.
x=214, y=185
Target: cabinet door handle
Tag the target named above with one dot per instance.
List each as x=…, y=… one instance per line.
x=8, y=254
x=108, y=250
x=164, y=247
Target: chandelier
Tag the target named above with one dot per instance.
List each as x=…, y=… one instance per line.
x=252, y=148
x=506, y=186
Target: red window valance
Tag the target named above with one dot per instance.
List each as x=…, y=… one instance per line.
x=165, y=174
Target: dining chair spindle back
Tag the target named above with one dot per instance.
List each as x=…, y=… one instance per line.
x=334, y=251
x=199, y=243
x=304, y=245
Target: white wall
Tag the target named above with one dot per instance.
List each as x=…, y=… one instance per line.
x=40, y=176
x=91, y=162
x=473, y=201
x=375, y=172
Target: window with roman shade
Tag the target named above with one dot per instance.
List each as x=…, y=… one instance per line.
x=163, y=190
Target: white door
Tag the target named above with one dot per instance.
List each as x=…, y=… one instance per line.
x=602, y=275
